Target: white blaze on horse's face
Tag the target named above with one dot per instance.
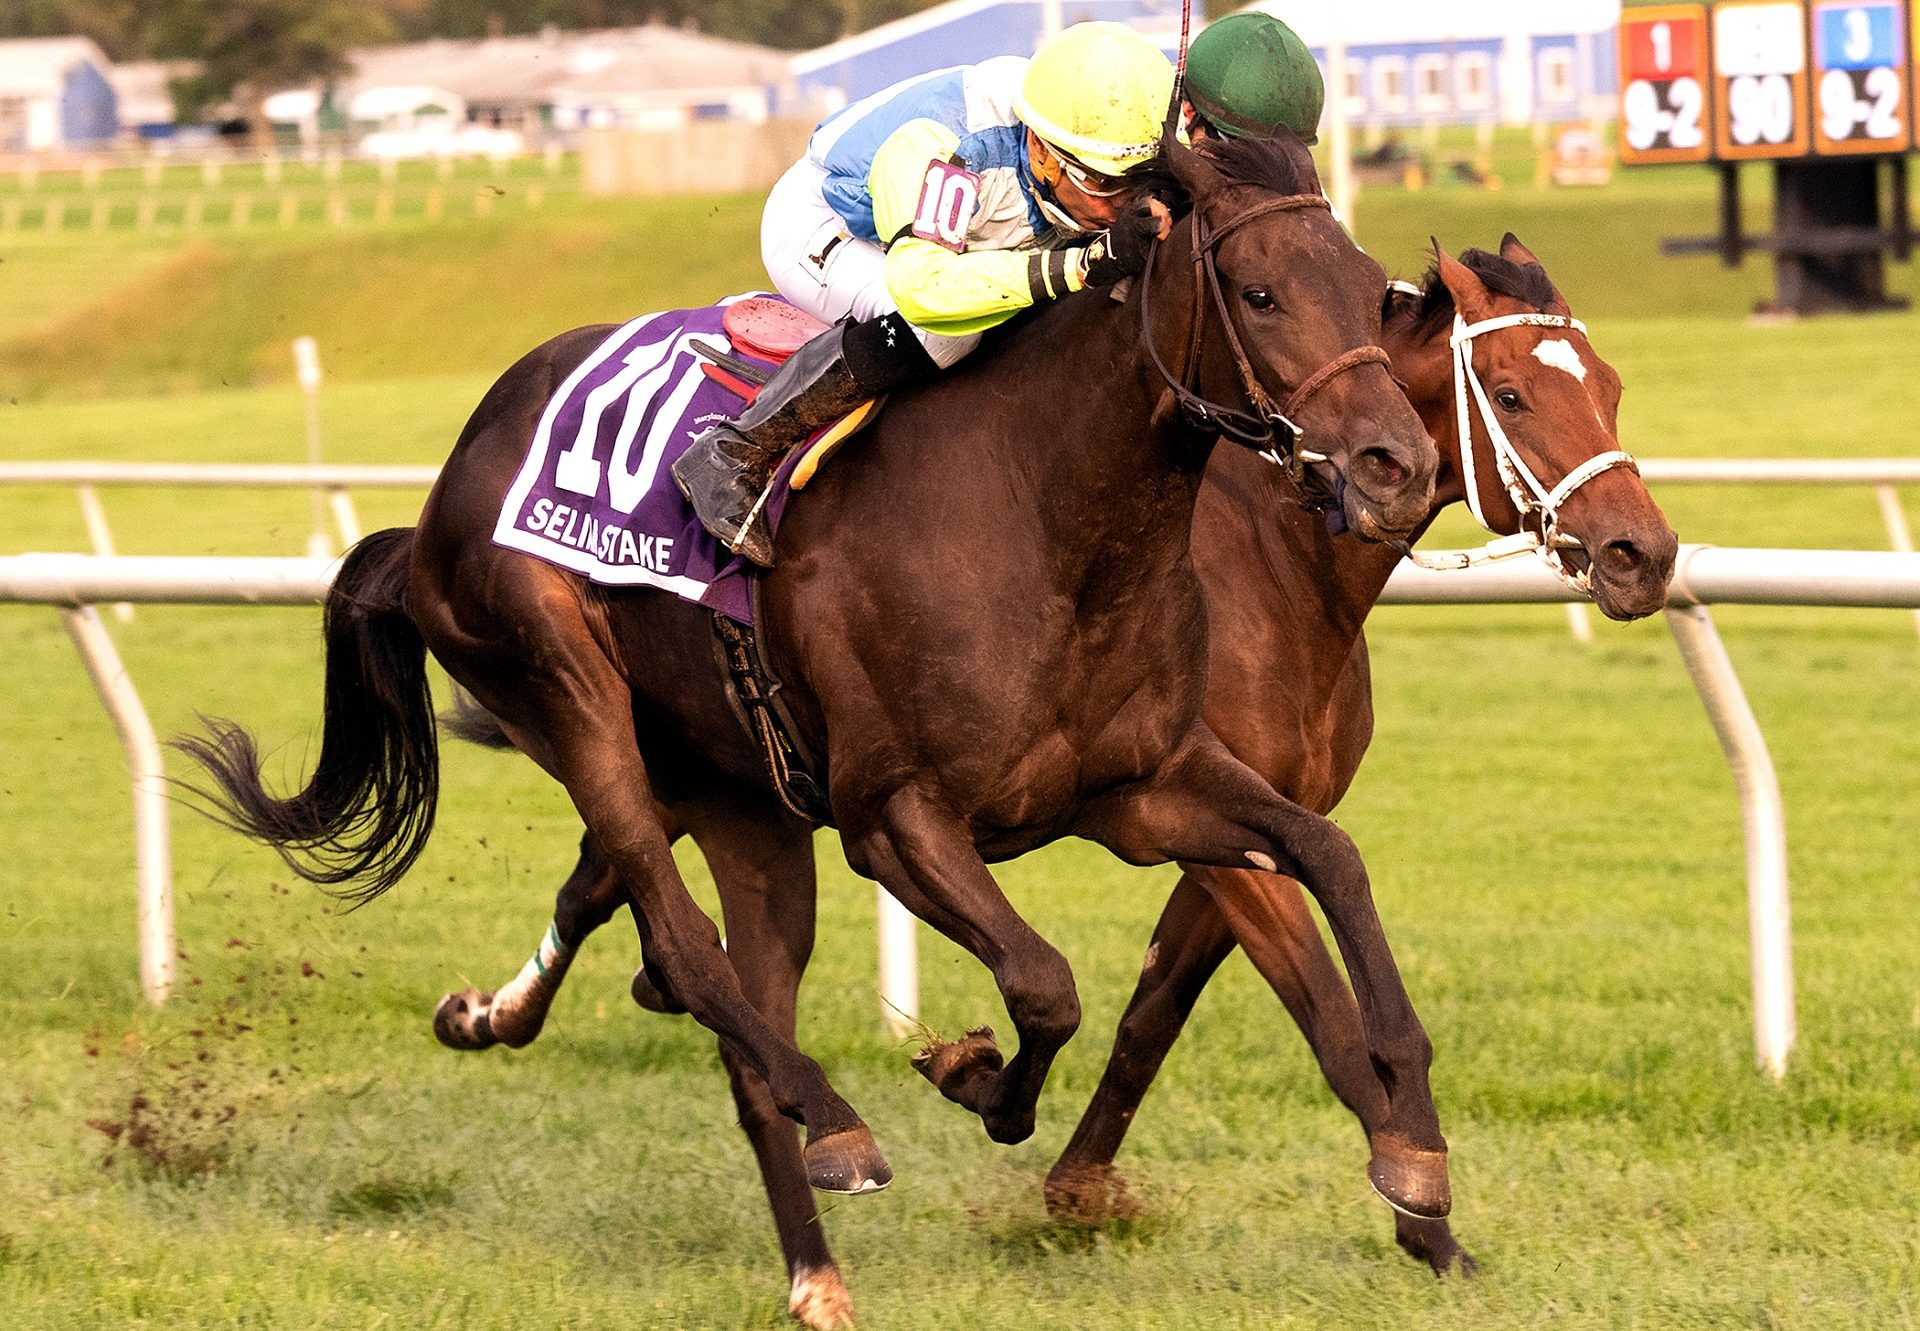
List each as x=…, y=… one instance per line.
x=1560, y=354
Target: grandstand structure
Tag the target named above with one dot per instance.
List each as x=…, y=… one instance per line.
x=1417, y=62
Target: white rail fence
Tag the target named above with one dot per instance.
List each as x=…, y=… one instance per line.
x=331, y=486
x=1705, y=576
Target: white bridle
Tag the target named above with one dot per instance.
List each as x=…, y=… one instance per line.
x=1537, y=505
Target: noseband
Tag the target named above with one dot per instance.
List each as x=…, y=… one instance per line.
x=1537, y=505
x=1269, y=429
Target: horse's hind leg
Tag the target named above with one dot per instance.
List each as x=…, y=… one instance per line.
x=926, y=858
x=568, y=708
x=762, y=863
x=514, y=1013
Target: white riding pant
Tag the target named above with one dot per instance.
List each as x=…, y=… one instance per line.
x=825, y=270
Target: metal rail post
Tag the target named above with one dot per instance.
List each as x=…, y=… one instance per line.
x=100, y=534
x=345, y=517
x=306, y=363
x=1579, y=622
x=1340, y=131
x=153, y=852
x=1768, y=918
x=1899, y=535
x=899, y=966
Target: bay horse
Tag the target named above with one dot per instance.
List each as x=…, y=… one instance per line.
x=1288, y=691
x=987, y=621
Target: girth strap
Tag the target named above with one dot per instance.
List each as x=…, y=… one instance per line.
x=755, y=694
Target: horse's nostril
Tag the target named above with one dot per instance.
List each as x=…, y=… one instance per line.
x=1386, y=469
x=1623, y=556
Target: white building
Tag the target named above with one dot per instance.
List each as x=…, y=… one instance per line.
x=54, y=93
x=653, y=76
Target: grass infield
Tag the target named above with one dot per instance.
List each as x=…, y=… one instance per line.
x=1553, y=834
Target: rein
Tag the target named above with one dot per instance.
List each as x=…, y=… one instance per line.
x=1261, y=429
x=1537, y=505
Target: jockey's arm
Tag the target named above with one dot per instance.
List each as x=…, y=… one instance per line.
x=937, y=289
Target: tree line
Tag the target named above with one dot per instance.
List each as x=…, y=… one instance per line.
x=184, y=29
x=245, y=50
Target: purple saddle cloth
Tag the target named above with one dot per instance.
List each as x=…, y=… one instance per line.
x=596, y=493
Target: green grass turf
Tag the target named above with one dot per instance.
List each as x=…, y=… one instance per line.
x=1553, y=833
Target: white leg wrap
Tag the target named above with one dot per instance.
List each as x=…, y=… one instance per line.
x=539, y=978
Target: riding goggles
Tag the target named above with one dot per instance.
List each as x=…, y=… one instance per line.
x=1086, y=180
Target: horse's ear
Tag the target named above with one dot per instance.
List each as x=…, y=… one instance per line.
x=1514, y=252
x=1470, y=295
x=1197, y=176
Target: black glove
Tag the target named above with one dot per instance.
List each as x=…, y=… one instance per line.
x=1121, y=250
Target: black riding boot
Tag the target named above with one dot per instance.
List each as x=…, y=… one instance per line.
x=727, y=469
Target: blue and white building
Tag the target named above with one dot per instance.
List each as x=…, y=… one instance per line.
x=54, y=93
x=1418, y=62
x=961, y=32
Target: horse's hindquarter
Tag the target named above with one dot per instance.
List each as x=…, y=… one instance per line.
x=497, y=619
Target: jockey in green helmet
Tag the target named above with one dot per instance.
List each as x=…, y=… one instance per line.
x=1249, y=75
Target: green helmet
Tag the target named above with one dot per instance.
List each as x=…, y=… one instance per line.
x=1249, y=74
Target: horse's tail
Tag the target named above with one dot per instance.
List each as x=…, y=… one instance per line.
x=367, y=811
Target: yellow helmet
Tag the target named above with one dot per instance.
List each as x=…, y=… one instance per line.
x=1098, y=92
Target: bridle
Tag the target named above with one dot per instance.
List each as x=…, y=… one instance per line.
x=1270, y=429
x=1537, y=505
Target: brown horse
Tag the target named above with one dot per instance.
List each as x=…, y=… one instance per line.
x=1288, y=691
x=988, y=622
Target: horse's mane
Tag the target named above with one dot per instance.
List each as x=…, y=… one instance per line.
x=1281, y=164
x=1434, y=307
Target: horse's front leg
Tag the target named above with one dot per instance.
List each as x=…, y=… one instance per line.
x=926, y=858
x=1207, y=808
x=1269, y=918
x=514, y=1013
x=1189, y=943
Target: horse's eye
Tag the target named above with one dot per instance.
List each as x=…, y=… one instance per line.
x=1508, y=400
x=1259, y=298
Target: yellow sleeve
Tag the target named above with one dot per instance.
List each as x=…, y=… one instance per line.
x=935, y=288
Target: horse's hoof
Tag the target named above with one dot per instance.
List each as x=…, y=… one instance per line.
x=1008, y=1129
x=819, y=1300
x=1088, y=1195
x=848, y=1161
x=1432, y=1242
x=651, y=997
x=460, y=1022
x=963, y=1070
x=1411, y=1179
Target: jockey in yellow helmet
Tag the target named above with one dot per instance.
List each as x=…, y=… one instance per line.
x=909, y=225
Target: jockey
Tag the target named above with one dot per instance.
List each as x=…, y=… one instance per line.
x=1249, y=75
x=912, y=225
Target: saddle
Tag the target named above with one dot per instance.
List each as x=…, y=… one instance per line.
x=773, y=330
